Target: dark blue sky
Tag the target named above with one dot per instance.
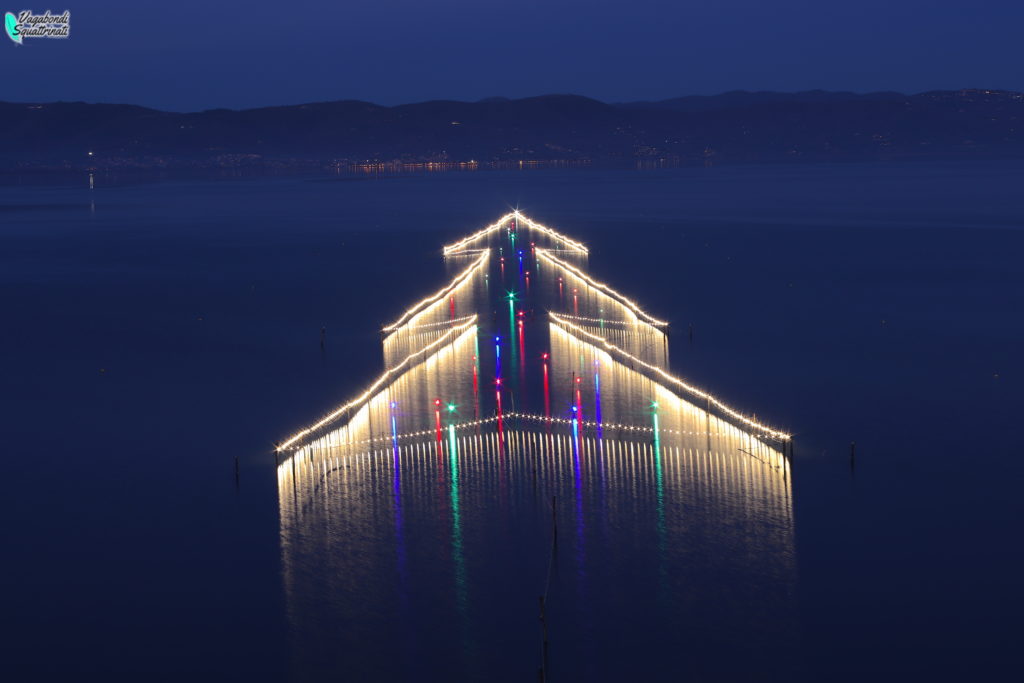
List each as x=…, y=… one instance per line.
x=189, y=55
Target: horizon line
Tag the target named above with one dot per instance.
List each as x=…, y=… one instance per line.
x=501, y=98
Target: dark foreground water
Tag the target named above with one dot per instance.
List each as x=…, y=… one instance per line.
x=152, y=333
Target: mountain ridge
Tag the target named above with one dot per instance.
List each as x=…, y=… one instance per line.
x=736, y=126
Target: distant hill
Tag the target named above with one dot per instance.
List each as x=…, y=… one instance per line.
x=731, y=127
x=739, y=99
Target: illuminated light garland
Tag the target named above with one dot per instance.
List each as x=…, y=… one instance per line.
x=637, y=428
x=406, y=435
x=459, y=279
x=782, y=436
x=456, y=331
x=605, y=321
x=571, y=244
x=525, y=416
x=631, y=305
x=460, y=246
x=441, y=323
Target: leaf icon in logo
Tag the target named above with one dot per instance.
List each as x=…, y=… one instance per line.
x=11, y=24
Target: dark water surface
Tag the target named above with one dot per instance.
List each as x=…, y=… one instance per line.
x=152, y=333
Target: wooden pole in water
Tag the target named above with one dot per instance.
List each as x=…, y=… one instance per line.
x=544, y=646
x=554, y=521
x=853, y=454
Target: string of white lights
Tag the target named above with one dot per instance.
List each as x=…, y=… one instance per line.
x=646, y=429
x=466, y=252
x=461, y=244
x=455, y=331
x=571, y=244
x=689, y=388
x=386, y=438
x=631, y=305
x=437, y=296
x=441, y=323
x=603, y=321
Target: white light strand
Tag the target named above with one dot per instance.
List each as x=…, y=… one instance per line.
x=461, y=244
x=643, y=429
x=631, y=305
x=387, y=438
x=603, y=321
x=571, y=244
x=462, y=277
x=456, y=331
x=689, y=388
x=453, y=321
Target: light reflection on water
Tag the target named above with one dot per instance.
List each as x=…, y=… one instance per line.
x=426, y=517
x=870, y=299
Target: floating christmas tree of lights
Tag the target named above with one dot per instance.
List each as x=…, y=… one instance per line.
x=434, y=370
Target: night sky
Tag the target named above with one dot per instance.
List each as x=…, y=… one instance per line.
x=190, y=55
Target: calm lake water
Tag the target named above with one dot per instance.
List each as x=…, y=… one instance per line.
x=155, y=332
